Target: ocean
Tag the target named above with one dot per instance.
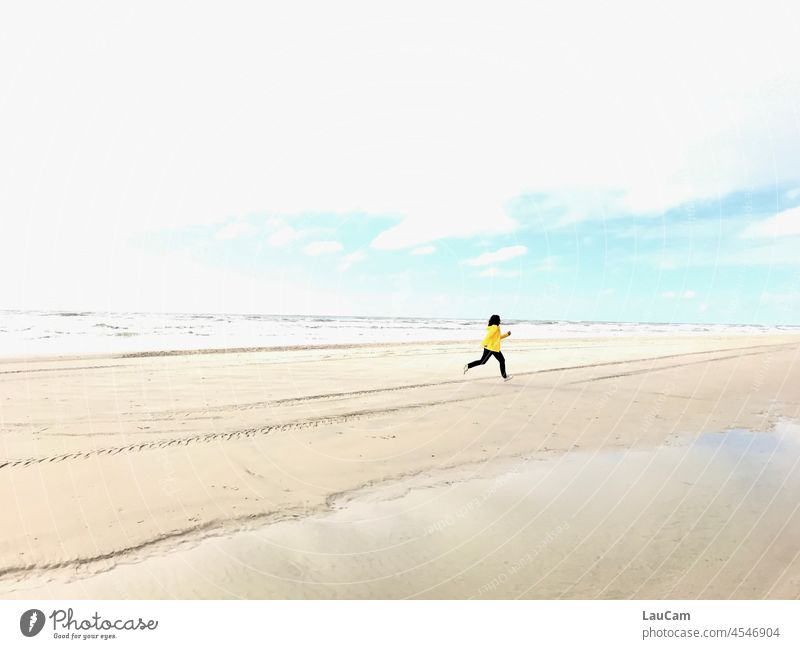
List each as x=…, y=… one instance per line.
x=45, y=333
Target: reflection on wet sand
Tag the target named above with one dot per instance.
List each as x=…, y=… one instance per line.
x=711, y=517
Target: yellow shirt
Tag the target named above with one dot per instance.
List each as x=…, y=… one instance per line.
x=493, y=337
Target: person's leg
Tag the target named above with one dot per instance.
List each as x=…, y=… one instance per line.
x=501, y=359
x=483, y=359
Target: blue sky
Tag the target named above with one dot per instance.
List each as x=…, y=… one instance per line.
x=704, y=261
x=640, y=164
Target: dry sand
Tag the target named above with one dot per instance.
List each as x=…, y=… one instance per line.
x=115, y=469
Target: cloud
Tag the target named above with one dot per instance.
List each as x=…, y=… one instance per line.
x=498, y=272
x=234, y=231
x=504, y=254
x=285, y=235
x=440, y=158
x=352, y=258
x=322, y=248
x=637, y=146
x=786, y=223
x=440, y=212
x=424, y=250
x=127, y=280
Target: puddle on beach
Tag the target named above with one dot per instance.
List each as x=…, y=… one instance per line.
x=714, y=517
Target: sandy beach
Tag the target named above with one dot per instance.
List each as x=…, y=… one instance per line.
x=127, y=475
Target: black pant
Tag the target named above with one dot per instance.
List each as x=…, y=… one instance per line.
x=486, y=354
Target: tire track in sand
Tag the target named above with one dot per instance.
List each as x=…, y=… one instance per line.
x=231, y=435
x=365, y=414
x=329, y=396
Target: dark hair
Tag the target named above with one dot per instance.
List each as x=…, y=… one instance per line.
x=494, y=320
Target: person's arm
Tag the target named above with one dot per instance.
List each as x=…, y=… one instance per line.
x=506, y=334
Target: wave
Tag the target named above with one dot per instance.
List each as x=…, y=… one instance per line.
x=47, y=332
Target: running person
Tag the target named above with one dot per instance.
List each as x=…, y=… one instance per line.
x=491, y=347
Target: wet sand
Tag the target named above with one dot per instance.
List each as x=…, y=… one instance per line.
x=712, y=517
x=601, y=470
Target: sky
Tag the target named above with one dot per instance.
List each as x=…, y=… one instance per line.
x=619, y=161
